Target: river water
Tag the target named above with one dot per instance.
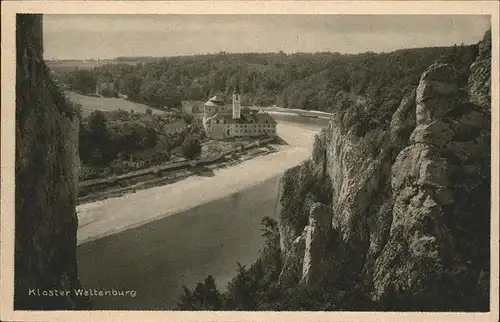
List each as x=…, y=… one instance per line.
x=156, y=259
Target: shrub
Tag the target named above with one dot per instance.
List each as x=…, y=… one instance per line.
x=205, y=296
x=191, y=147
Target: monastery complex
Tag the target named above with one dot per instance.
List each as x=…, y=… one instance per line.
x=223, y=121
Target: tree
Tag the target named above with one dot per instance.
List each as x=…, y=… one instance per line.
x=97, y=125
x=172, y=98
x=98, y=139
x=271, y=253
x=191, y=147
x=188, y=118
x=163, y=143
x=194, y=92
x=285, y=100
x=242, y=289
x=150, y=138
x=84, y=144
x=130, y=84
x=205, y=296
x=83, y=81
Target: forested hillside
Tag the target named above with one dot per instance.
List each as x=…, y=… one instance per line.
x=301, y=80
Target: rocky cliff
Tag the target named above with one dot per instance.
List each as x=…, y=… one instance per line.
x=46, y=177
x=395, y=203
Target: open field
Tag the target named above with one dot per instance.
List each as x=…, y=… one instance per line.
x=71, y=65
x=91, y=104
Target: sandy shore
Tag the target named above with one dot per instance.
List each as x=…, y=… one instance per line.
x=102, y=218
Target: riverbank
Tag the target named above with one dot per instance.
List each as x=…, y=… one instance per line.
x=156, y=240
x=105, y=217
x=157, y=258
x=131, y=184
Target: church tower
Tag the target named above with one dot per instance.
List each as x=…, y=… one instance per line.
x=236, y=103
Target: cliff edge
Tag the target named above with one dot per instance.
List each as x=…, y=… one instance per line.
x=394, y=205
x=46, y=175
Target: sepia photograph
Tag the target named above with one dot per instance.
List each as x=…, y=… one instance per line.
x=252, y=162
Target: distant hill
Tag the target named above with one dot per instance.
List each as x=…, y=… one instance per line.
x=321, y=81
x=68, y=65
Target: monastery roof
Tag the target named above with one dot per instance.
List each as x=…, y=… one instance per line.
x=264, y=118
x=215, y=101
x=191, y=103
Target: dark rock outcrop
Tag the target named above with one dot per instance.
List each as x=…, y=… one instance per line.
x=409, y=203
x=46, y=177
x=480, y=75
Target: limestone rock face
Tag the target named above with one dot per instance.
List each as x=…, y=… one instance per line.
x=480, y=75
x=293, y=216
x=403, y=121
x=409, y=204
x=437, y=92
x=428, y=178
x=46, y=177
x=318, y=233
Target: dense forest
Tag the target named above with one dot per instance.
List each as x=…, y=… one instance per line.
x=318, y=81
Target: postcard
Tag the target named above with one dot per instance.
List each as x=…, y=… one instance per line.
x=274, y=160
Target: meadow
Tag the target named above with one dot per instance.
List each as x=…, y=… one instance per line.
x=105, y=104
x=76, y=64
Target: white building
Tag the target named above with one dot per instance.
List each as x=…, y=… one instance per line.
x=222, y=121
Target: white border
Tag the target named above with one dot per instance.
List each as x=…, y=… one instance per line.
x=9, y=9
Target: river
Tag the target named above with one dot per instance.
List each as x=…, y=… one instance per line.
x=157, y=240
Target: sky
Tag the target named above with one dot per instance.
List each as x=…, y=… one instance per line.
x=71, y=36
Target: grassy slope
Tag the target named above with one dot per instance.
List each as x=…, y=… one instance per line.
x=90, y=104
x=71, y=65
